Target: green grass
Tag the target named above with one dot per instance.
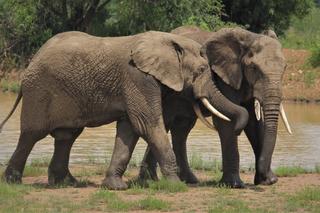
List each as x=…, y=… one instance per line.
x=284, y=171
x=317, y=169
x=111, y=201
x=167, y=186
x=306, y=200
x=34, y=171
x=9, y=86
x=41, y=162
x=197, y=162
x=151, y=203
x=228, y=205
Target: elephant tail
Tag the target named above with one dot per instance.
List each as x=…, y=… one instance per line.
x=12, y=110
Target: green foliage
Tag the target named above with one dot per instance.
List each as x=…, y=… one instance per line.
x=306, y=200
x=164, y=185
x=289, y=171
x=314, y=59
x=304, y=33
x=309, y=78
x=261, y=15
x=134, y=16
x=10, y=86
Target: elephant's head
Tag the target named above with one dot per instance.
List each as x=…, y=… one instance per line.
x=178, y=63
x=242, y=58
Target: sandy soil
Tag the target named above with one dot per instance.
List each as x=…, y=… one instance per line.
x=198, y=198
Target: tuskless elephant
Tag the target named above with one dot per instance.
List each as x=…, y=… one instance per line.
x=77, y=80
x=248, y=70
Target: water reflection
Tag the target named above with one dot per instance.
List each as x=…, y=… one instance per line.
x=96, y=144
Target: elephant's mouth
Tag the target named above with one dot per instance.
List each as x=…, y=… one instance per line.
x=259, y=114
x=211, y=109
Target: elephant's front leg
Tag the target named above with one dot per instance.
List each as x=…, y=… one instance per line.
x=158, y=141
x=230, y=154
x=254, y=131
x=125, y=142
x=179, y=132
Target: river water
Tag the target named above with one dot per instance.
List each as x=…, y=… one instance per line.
x=96, y=144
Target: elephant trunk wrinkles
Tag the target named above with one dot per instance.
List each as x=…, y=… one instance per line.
x=237, y=114
x=271, y=106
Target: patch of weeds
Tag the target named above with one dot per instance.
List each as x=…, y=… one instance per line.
x=151, y=203
x=11, y=197
x=309, y=77
x=41, y=162
x=164, y=185
x=111, y=199
x=228, y=205
x=33, y=171
x=9, y=86
x=289, y=171
x=314, y=59
x=307, y=199
x=196, y=162
x=135, y=187
x=317, y=169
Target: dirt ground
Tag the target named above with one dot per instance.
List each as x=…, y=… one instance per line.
x=300, y=82
x=198, y=198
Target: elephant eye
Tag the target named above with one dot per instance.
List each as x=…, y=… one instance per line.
x=203, y=68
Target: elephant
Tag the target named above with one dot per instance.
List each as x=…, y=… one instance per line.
x=248, y=70
x=77, y=80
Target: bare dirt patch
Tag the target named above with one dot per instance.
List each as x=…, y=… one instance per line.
x=198, y=198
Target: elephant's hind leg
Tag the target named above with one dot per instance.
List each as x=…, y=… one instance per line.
x=14, y=170
x=126, y=140
x=58, y=171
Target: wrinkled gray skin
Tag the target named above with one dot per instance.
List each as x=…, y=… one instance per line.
x=77, y=81
x=246, y=66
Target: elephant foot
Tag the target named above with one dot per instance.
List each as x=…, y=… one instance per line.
x=12, y=176
x=114, y=183
x=232, y=181
x=148, y=174
x=188, y=177
x=64, y=178
x=268, y=179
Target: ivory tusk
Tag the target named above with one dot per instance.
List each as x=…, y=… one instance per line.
x=257, y=109
x=213, y=110
x=284, y=119
x=201, y=117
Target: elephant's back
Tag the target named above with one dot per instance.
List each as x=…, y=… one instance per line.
x=74, y=65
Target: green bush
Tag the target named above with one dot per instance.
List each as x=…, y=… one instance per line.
x=314, y=59
x=303, y=33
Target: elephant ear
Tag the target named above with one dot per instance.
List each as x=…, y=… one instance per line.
x=160, y=55
x=224, y=50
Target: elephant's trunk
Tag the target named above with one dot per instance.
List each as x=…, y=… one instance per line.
x=271, y=106
x=205, y=88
